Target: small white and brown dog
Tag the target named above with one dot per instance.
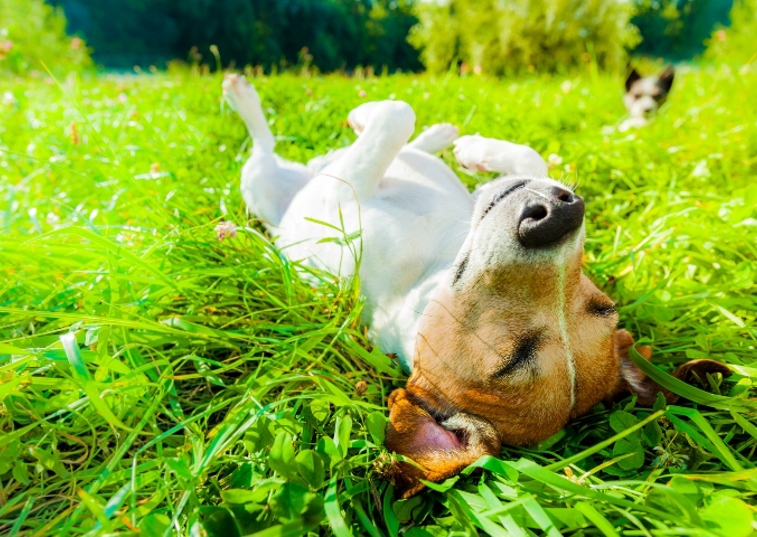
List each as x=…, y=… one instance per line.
x=481, y=297
x=644, y=96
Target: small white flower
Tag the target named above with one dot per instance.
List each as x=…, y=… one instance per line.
x=554, y=160
x=9, y=99
x=226, y=229
x=701, y=169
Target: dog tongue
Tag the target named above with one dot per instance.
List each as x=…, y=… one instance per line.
x=433, y=437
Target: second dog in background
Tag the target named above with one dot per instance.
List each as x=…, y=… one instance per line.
x=645, y=95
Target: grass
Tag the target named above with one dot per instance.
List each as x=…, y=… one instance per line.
x=157, y=380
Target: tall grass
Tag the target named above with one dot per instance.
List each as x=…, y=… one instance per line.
x=157, y=380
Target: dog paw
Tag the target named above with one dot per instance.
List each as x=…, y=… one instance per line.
x=358, y=117
x=239, y=92
x=437, y=137
x=632, y=123
x=396, y=116
x=471, y=152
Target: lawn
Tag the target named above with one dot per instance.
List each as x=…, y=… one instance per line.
x=158, y=380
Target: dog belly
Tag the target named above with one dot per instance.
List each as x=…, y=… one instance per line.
x=412, y=228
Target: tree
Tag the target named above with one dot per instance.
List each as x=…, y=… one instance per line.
x=677, y=29
x=509, y=36
x=33, y=37
x=336, y=33
x=735, y=45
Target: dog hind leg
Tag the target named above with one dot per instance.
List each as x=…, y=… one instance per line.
x=268, y=182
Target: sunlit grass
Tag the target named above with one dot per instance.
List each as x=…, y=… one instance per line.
x=154, y=378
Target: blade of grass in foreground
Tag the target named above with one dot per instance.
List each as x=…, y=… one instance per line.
x=688, y=391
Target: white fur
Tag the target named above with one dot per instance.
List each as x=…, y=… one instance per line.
x=412, y=212
x=640, y=103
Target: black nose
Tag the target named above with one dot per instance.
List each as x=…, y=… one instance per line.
x=547, y=220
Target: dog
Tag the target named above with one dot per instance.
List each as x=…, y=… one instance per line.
x=644, y=96
x=481, y=297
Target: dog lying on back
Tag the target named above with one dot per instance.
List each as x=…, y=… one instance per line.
x=482, y=298
x=644, y=96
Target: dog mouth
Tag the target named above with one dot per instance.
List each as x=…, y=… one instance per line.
x=462, y=437
x=449, y=437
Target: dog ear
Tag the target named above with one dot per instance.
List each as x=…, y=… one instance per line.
x=635, y=381
x=665, y=79
x=439, y=449
x=632, y=77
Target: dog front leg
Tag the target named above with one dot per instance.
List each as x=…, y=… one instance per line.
x=477, y=153
x=436, y=138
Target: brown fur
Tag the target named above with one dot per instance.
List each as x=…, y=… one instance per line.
x=407, y=416
x=466, y=336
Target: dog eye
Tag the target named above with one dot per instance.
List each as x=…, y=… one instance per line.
x=601, y=309
x=524, y=353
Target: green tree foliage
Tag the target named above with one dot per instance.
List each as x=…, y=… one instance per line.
x=735, y=45
x=32, y=33
x=677, y=29
x=334, y=33
x=543, y=35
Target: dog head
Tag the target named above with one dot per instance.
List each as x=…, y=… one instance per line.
x=644, y=95
x=516, y=344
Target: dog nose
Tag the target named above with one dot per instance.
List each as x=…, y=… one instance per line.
x=550, y=217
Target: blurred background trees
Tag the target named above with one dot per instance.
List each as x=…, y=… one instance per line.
x=31, y=32
x=490, y=36
x=735, y=44
x=504, y=37
x=338, y=34
x=677, y=29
